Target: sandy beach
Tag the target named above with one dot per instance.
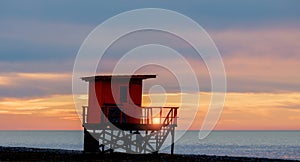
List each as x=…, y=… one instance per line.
x=35, y=154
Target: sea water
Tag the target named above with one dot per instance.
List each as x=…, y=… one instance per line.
x=266, y=144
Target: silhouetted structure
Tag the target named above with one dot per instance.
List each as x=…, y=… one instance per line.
x=114, y=118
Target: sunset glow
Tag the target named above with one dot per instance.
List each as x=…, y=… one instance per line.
x=242, y=111
x=258, y=42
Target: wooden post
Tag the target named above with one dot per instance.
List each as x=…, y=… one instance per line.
x=91, y=144
x=160, y=115
x=175, y=116
x=172, y=144
x=83, y=115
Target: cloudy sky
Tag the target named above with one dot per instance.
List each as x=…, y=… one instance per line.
x=258, y=42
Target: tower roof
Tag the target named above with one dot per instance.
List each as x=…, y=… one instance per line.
x=108, y=77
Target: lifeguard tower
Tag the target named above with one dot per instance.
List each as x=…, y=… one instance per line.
x=115, y=119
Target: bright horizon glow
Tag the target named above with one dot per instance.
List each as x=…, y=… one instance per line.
x=259, y=47
x=271, y=111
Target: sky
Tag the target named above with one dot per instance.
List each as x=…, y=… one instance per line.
x=258, y=42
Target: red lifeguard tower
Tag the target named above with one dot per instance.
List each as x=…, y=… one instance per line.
x=115, y=119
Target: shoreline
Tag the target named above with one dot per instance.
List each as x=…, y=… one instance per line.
x=38, y=154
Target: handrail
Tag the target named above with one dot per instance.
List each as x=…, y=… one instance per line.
x=84, y=114
x=169, y=118
x=147, y=117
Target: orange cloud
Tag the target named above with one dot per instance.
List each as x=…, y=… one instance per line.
x=49, y=112
x=44, y=76
x=242, y=111
x=256, y=111
x=15, y=78
x=4, y=81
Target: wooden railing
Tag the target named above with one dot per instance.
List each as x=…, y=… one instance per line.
x=149, y=115
x=159, y=115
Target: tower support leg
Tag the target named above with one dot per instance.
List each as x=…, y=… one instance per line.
x=91, y=144
x=172, y=144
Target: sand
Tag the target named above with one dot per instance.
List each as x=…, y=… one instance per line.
x=34, y=154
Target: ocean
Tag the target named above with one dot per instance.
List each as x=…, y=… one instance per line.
x=266, y=144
